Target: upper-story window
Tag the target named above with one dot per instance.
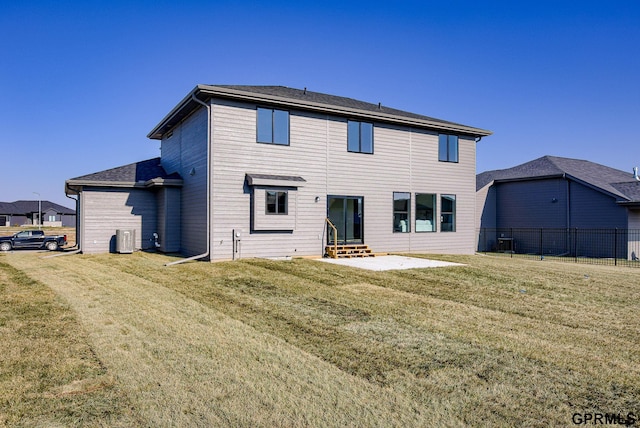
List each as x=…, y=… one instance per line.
x=359, y=137
x=273, y=126
x=447, y=148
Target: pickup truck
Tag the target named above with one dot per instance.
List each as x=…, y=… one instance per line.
x=32, y=239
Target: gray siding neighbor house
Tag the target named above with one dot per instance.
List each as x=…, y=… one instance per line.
x=22, y=213
x=255, y=171
x=559, y=193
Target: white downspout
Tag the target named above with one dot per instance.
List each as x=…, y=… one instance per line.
x=77, y=204
x=68, y=253
x=205, y=254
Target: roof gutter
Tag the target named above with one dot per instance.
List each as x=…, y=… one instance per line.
x=154, y=182
x=206, y=253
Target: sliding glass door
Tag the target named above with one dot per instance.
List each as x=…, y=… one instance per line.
x=346, y=214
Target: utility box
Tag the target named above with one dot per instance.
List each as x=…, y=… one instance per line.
x=125, y=240
x=505, y=245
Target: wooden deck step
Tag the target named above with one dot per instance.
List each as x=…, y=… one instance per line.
x=349, y=251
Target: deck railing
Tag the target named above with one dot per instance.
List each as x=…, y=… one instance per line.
x=335, y=237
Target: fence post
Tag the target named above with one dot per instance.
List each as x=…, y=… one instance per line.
x=575, y=244
x=512, y=245
x=541, y=254
x=485, y=239
x=615, y=247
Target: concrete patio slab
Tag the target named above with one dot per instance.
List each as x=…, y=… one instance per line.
x=388, y=262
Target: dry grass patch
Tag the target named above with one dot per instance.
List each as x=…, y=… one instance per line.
x=183, y=363
x=49, y=375
x=258, y=342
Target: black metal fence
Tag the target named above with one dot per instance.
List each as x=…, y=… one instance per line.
x=597, y=246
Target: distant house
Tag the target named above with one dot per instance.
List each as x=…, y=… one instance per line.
x=256, y=171
x=558, y=193
x=21, y=213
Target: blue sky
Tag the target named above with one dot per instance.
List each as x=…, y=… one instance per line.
x=82, y=83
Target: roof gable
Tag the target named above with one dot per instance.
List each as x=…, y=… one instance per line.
x=617, y=183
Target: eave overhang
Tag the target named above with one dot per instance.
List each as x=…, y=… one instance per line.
x=75, y=186
x=205, y=93
x=629, y=204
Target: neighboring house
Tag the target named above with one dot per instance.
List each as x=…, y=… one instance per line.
x=254, y=171
x=22, y=213
x=558, y=193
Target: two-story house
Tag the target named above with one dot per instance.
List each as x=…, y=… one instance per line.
x=256, y=171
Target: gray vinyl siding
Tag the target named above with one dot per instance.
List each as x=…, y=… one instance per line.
x=106, y=210
x=170, y=151
x=485, y=217
x=554, y=203
x=185, y=152
x=51, y=213
x=404, y=160
x=634, y=219
x=591, y=209
x=168, y=200
x=535, y=203
x=486, y=207
x=236, y=153
x=68, y=220
x=633, y=224
x=20, y=220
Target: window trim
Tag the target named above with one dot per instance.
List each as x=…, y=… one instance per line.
x=408, y=212
x=447, y=158
x=273, y=127
x=434, y=199
x=359, y=122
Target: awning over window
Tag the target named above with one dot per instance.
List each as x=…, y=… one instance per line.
x=275, y=180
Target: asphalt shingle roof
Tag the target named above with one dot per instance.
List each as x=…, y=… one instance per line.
x=334, y=100
x=26, y=207
x=132, y=173
x=310, y=101
x=610, y=180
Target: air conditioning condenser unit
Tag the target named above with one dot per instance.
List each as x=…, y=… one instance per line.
x=125, y=240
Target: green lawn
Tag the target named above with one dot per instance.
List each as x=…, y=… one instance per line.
x=502, y=342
